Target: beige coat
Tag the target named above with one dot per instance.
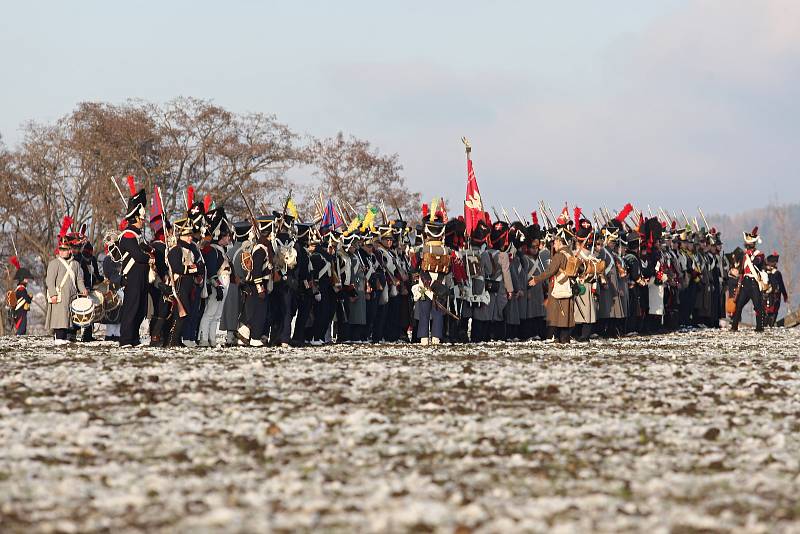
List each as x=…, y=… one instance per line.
x=560, y=312
x=58, y=281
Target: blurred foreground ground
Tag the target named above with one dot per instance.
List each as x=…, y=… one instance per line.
x=683, y=433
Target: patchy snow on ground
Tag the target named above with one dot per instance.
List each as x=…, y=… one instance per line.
x=682, y=433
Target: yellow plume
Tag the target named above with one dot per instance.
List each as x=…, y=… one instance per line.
x=353, y=226
x=369, y=219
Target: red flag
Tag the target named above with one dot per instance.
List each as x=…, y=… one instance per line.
x=473, y=204
x=156, y=210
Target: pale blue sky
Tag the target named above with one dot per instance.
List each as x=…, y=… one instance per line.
x=599, y=102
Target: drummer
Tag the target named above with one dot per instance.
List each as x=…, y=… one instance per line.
x=114, y=279
x=91, y=276
x=64, y=282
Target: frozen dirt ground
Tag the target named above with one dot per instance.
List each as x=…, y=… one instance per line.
x=696, y=432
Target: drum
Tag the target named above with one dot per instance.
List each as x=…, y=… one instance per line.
x=82, y=309
x=112, y=307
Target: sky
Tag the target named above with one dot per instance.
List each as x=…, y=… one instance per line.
x=663, y=102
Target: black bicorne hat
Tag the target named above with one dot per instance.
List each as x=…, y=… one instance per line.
x=136, y=207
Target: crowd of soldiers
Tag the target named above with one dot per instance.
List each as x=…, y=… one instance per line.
x=274, y=280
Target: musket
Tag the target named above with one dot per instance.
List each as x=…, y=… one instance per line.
x=383, y=213
x=121, y=196
x=444, y=309
x=505, y=214
x=181, y=308
x=688, y=223
x=14, y=245
x=285, y=207
x=552, y=215
x=521, y=219
x=256, y=229
x=708, y=228
x=544, y=214
x=649, y=211
x=664, y=214
x=496, y=216
x=399, y=215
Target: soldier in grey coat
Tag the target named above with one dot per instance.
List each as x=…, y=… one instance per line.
x=516, y=309
x=533, y=323
x=357, y=301
x=232, y=309
x=64, y=282
x=498, y=269
x=612, y=296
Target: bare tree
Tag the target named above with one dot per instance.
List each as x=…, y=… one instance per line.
x=65, y=168
x=351, y=170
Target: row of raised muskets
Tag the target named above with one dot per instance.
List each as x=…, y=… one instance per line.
x=349, y=277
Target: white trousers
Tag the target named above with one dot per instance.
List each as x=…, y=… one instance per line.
x=211, y=316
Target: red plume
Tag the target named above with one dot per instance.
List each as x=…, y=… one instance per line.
x=713, y=230
x=624, y=213
x=131, y=184
x=190, y=196
x=123, y=224
x=425, y=211
x=577, y=216
x=15, y=262
x=65, y=224
x=206, y=203
x=674, y=225
x=664, y=225
x=755, y=231
x=534, y=218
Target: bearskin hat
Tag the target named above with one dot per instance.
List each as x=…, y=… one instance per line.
x=498, y=236
x=583, y=229
x=516, y=234
x=480, y=233
x=454, y=233
x=532, y=232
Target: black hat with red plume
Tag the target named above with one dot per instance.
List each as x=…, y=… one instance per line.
x=136, y=203
x=197, y=210
x=64, y=240
x=22, y=273
x=583, y=227
x=752, y=238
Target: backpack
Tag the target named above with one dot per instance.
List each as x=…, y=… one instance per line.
x=564, y=284
x=11, y=299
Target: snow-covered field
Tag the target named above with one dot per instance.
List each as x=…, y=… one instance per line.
x=681, y=433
